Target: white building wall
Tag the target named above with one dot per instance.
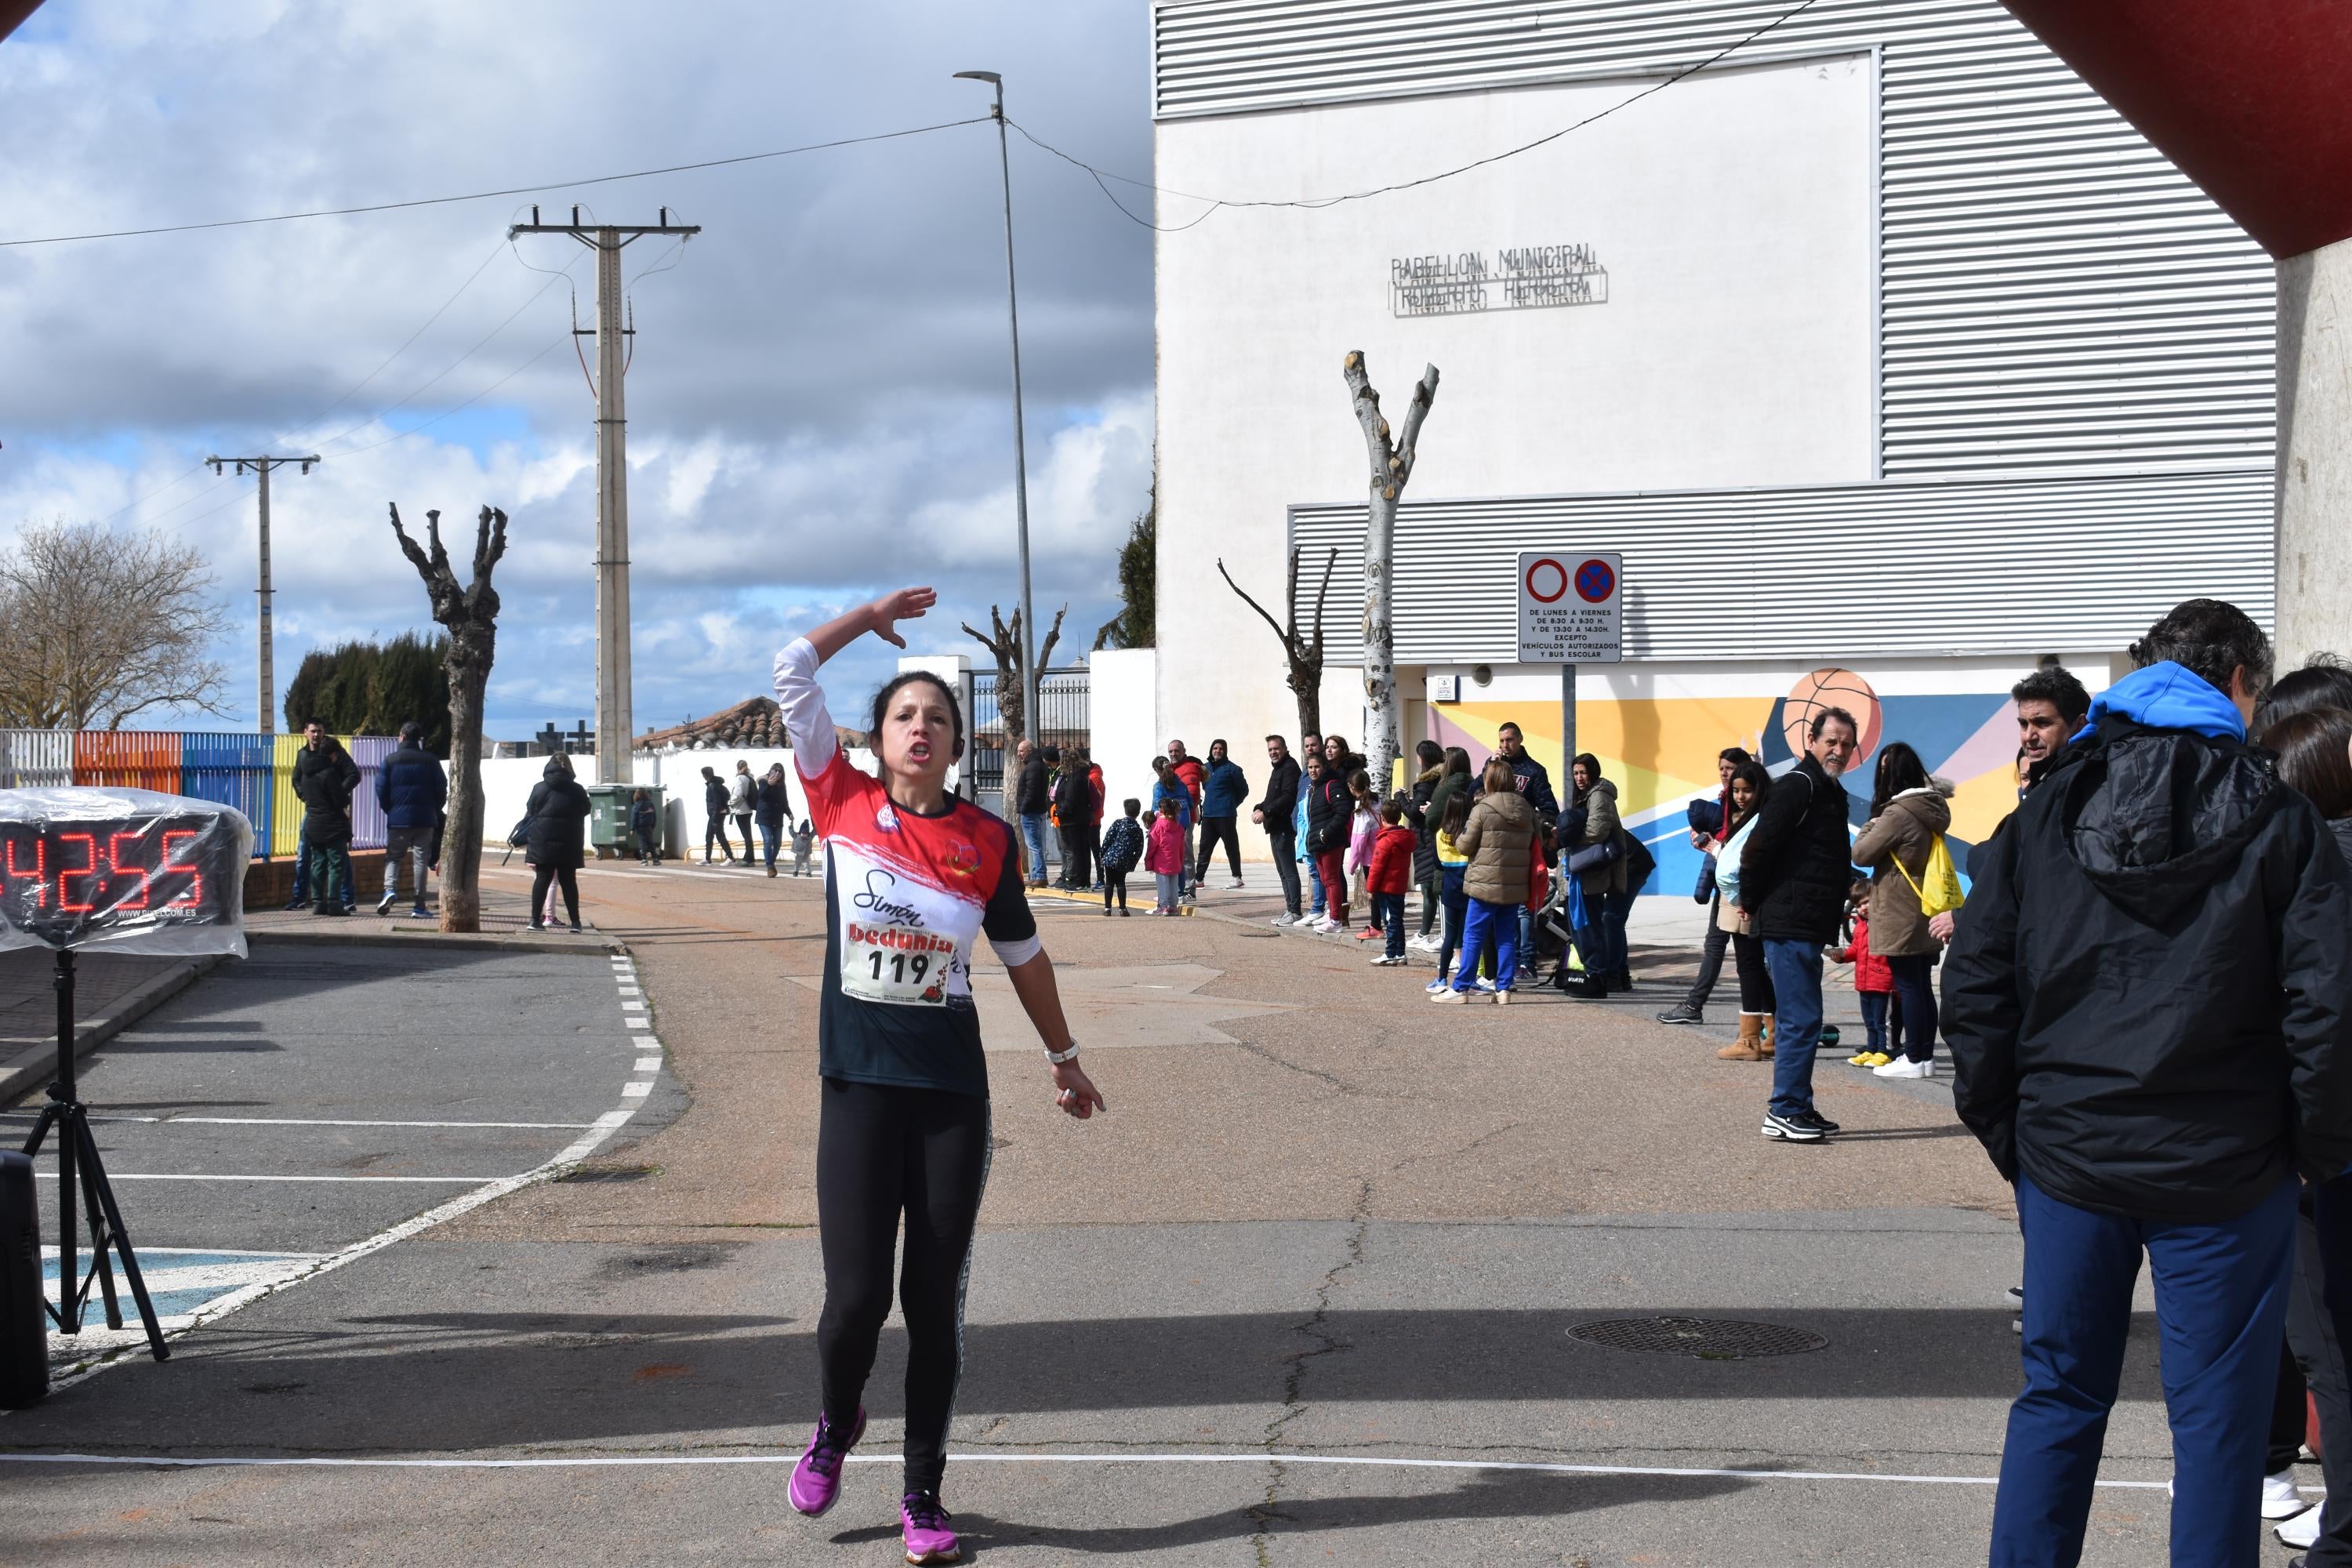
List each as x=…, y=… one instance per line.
x=1735, y=216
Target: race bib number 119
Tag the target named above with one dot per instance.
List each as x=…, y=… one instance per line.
x=894, y=964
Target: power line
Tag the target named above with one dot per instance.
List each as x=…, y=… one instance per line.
x=509, y=191
x=320, y=418
x=479, y=343
x=348, y=393
x=1315, y=204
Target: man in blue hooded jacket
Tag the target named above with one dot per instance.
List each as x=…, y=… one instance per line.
x=2150, y=1006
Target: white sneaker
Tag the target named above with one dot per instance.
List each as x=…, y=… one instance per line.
x=1485, y=984
x=1383, y=960
x=1328, y=927
x=2280, y=1499
x=1235, y=886
x=1426, y=943
x=1286, y=919
x=1904, y=1066
x=2303, y=1530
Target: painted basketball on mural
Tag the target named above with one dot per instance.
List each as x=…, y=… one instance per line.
x=1832, y=689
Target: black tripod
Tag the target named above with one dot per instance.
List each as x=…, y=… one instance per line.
x=83, y=1194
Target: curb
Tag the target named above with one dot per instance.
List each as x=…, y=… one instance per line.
x=400, y=936
x=1060, y=896
x=29, y=1070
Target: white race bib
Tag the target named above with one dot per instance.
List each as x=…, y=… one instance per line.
x=903, y=966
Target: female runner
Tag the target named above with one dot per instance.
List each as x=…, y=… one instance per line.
x=913, y=876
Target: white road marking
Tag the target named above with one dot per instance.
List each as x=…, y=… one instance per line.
x=160, y=1176
x=1258, y=1457
x=649, y=1064
x=591, y=1138
x=319, y=1121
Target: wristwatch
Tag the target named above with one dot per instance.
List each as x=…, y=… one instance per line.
x=1058, y=1057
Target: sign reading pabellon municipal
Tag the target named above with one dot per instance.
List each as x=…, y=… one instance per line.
x=1570, y=607
x=1529, y=277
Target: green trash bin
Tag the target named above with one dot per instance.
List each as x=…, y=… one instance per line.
x=608, y=817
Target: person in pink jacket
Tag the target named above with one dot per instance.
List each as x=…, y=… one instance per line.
x=1164, y=857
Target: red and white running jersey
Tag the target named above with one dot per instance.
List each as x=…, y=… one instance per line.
x=906, y=898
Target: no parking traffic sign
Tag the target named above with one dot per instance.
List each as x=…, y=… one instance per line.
x=1569, y=607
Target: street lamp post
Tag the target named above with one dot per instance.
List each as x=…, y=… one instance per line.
x=1020, y=449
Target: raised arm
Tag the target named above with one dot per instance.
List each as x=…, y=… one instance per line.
x=880, y=617
x=806, y=718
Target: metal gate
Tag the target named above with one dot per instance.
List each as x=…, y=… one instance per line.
x=1061, y=721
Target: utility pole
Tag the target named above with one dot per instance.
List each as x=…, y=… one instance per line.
x=1019, y=452
x=614, y=721
x=262, y=465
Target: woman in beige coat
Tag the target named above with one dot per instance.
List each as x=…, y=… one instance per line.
x=1909, y=812
x=1499, y=838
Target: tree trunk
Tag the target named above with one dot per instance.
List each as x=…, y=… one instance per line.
x=470, y=614
x=1302, y=652
x=461, y=840
x=1391, y=466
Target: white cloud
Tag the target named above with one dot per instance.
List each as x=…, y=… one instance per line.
x=818, y=403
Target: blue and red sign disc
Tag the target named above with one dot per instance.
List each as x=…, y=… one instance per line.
x=1595, y=582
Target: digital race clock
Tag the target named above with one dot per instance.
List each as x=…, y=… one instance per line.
x=128, y=870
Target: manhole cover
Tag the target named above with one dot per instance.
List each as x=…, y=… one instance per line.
x=1708, y=1338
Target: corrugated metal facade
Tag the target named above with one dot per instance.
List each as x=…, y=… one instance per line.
x=1896, y=568
x=2056, y=296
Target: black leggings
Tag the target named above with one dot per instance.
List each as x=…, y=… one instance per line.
x=1754, y=979
x=542, y=876
x=880, y=1150
x=1915, y=985
x=1114, y=883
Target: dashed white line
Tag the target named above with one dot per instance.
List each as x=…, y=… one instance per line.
x=636, y=1090
x=649, y=1064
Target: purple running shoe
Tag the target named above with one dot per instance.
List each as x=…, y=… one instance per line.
x=816, y=1480
x=925, y=1525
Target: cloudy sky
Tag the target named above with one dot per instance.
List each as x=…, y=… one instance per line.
x=820, y=403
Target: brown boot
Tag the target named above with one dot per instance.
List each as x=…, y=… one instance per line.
x=1749, y=1045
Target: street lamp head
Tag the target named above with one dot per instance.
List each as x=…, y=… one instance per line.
x=980, y=76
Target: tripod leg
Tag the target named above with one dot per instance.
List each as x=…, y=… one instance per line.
x=122, y=1241
x=41, y=1129
x=100, y=1265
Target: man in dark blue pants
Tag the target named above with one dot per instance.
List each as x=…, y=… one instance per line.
x=2150, y=1006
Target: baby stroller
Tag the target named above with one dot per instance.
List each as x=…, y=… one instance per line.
x=1556, y=926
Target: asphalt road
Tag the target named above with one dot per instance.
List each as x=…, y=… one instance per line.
x=1324, y=1286
x=301, y=1102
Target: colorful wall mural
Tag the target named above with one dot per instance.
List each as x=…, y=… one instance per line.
x=1662, y=750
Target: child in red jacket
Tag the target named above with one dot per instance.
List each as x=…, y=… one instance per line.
x=1389, y=874
x=1164, y=857
x=1874, y=980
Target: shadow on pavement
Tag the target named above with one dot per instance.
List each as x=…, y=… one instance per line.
x=429, y=1382
x=1491, y=1495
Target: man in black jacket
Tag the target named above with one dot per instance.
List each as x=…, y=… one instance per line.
x=1074, y=809
x=1276, y=812
x=325, y=778
x=1031, y=799
x=2149, y=1002
x=714, y=819
x=1794, y=877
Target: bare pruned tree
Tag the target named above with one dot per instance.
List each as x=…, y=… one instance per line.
x=1392, y=461
x=97, y=627
x=1003, y=640
x=1302, y=650
x=471, y=615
